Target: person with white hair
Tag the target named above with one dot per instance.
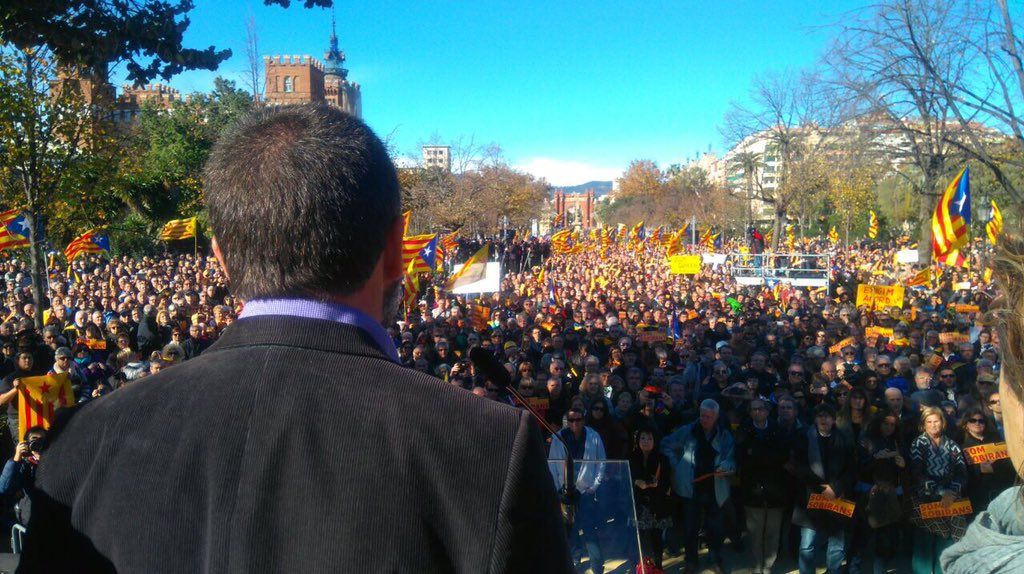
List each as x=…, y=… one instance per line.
x=702, y=459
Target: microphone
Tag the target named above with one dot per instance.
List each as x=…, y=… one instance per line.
x=489, y=366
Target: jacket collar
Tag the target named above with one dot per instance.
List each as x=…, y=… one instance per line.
x=300, y=332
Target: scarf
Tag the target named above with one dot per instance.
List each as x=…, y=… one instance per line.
x=994, y=542
x=814, y=453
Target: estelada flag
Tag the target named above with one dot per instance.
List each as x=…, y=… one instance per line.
x=412, y=245
x=952, y=219
x=179, y=229
x=39, y=398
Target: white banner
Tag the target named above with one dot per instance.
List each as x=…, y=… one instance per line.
x=906, y=256
x=489, y=284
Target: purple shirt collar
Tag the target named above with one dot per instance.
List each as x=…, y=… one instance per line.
x=312, y=309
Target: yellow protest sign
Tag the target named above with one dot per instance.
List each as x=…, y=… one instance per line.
x=954, y=338
x=933, y=362
x=838, y=505
x=873, y=333
x=838, y=347
x=651, y=336
x=879, y=296
x=684, y=264
x=986, y=452
x=938, y=510
x=964, y=308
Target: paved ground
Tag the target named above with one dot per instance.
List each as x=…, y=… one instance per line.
x=739, y=563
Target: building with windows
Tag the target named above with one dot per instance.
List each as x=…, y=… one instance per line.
x=302, y=80
x=436, y=156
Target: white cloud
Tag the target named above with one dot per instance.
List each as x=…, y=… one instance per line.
x=560, y=172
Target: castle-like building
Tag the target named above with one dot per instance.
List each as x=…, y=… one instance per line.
x=289, y=80
x=302, y=79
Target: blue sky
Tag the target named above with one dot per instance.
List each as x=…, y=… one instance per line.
x=571, y=91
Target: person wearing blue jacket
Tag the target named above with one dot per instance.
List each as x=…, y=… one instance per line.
x=702, y=458
x=19, y=474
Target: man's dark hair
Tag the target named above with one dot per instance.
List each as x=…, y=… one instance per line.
x=301, y=200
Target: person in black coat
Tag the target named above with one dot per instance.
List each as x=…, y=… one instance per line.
x=650, y=471
x=882, y=480
x=822, y=459
x=762, y=452
x=297, y=443
x=985, y=480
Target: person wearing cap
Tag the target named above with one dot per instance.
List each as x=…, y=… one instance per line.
x=823, y=461
x=63, y=362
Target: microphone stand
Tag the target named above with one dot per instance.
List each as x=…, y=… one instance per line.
x=568, y=494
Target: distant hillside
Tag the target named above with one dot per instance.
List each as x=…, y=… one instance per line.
x=601, y=188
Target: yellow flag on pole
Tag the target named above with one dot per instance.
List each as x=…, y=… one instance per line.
x=179, y=229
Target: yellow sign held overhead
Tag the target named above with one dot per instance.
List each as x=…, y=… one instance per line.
x=879, y=296
x=685, y=264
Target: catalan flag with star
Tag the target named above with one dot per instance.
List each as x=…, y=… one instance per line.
x=14, y=230
x=413, y=245
x=39, y=398
x=92, y=241
x=952, y=219
x=426, y=259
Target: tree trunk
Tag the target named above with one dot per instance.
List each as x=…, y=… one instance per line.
x=925, y=208
x=780, y=219
x=37, y=268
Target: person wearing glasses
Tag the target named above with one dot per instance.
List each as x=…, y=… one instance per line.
x=985, y=480
x=613, y=433
x=992, y=402
x=585, y=446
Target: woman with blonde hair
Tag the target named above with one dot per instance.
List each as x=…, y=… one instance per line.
x=994, y=542
x=939, y=473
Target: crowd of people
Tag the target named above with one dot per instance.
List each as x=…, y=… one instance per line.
x=734, y=406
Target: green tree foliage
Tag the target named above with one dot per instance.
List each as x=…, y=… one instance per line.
x=164, y=152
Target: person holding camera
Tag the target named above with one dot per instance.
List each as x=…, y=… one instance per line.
x=19, y=474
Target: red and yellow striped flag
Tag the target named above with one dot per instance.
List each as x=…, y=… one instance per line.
x=675, y=244
x=179, y=229
x=10, y=240
x=994, y=227
x=39, y=398
x=922, y=277
x=872, y=225
x=411, y=247
x=952, y=219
